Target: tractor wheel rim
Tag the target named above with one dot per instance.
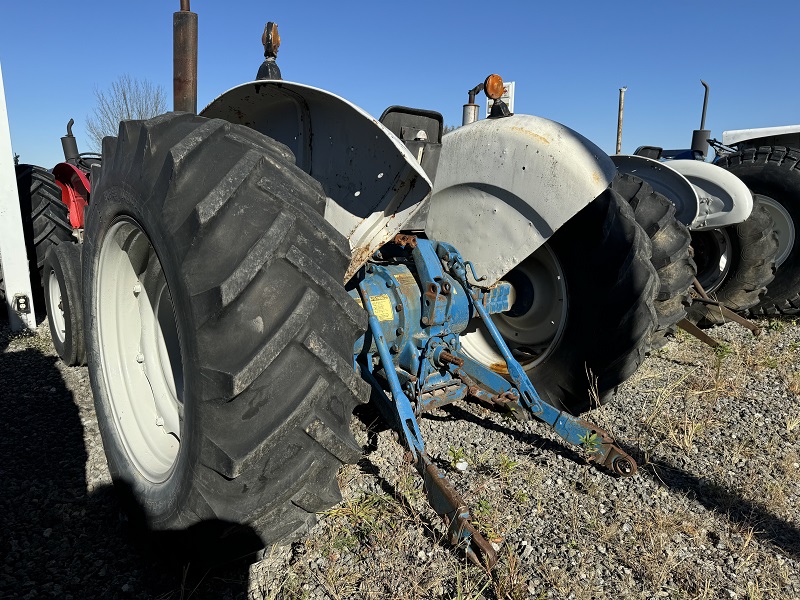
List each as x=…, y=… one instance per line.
x=784, y=227
x=713, y=255
x=533, y=335
x=140, y=350
x=57, y=318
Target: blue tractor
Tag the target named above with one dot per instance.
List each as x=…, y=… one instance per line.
x=253, y=273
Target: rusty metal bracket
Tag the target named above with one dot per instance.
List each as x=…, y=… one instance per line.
x=703, y=298
x=730, y=315
x=701, y=335
x=449, y=505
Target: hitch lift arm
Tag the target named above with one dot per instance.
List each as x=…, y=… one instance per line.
x=428, y=359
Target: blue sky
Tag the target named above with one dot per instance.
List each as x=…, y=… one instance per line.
x=568, y=59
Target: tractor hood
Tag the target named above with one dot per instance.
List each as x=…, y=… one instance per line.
x=504, y=186
x=373, y=183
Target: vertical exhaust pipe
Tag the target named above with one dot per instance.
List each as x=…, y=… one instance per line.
x=700, y=136
x=184, y=59
x=620, y=113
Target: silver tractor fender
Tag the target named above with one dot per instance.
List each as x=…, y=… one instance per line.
x=724, y=198
x=705, y=196
x=665, y=181
x=372, y=182
x=504, y=186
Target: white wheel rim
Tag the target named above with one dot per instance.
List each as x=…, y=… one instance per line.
x=533, y=335
x=57, y=319
x=139, y=350
x=784, y=227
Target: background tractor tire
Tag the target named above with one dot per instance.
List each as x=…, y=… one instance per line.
x=734, y=264
x=773, y=173
x=601, y=260
x=45, y=219
x=220, y=338
x=671, y=259
x=61, y=282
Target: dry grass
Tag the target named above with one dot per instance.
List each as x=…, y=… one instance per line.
x=676, y=531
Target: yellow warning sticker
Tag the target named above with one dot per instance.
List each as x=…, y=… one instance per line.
x=381, y=305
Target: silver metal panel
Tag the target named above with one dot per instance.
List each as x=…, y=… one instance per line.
x=724, y=198
x=12, y=239
x=665, y=181
x=504, y=186
x=374, y=185
x=734, y=136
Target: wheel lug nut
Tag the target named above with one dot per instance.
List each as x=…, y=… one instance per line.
x=140, y=358
x=137, y=288
x=160, y=421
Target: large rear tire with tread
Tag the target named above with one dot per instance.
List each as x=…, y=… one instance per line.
x=45, y=218
x=773, y=172
x=220, y=337
x=61, y=282
x=671, y=258
x=602, y=260
x=734, y=265
x=45, y=221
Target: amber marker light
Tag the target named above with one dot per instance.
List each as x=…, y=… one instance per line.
x=276, y=37
x=271, y=39
x=493, y=86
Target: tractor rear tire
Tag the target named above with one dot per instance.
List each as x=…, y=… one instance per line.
x=61, y=282
x=612, y=285
x=735, y=265
x=220, y=337
x=773, y=172
x=45, y=218
x=671, y=241
x=599, y=263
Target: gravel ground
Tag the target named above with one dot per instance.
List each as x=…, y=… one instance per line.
x=713, y=513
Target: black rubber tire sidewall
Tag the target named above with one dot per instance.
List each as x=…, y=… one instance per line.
x=45, y=220
x=671, y=257
x=163, y=499
x=64, y=261
x=773, y=172
x=611, y=284
x=259, y=456
x=754, y=246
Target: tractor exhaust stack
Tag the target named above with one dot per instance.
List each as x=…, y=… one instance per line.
x=184, y=57
x=70, y=145
x=700, y=136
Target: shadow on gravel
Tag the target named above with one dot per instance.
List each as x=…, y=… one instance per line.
x=766, y=527
x=531, y=439
x=58, y=538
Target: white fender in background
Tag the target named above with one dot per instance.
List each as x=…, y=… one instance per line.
x=736, y=136
x=705, y=196
x=665, y=181
x=13, y=256
x=504, y=186
x=724, y=198
x=373, y=183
